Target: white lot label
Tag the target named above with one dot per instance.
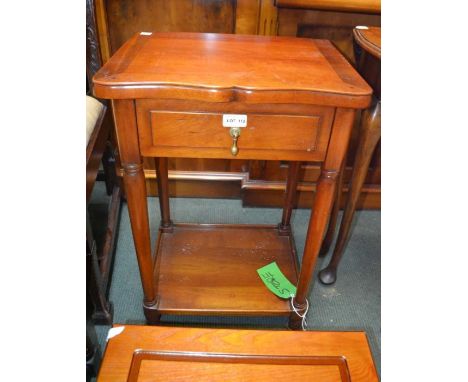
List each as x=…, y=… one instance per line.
x=234, y=120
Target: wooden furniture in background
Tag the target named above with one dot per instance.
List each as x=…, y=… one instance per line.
x=170, y=94
x=255, y=182
x=368, y=50
x=170, y=354
x=335, y=24
x=99, y=150
x=364, y=6
x=99, y=260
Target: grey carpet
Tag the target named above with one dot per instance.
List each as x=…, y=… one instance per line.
x=353, y=303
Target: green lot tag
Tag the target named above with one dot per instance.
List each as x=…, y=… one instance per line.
x=275, y=281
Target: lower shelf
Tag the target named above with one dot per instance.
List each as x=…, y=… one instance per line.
x=209, y=269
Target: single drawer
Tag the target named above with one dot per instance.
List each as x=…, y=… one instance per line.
x=168, y=132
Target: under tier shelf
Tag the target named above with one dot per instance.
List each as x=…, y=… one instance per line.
x=209, y=269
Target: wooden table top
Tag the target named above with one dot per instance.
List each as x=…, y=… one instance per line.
x=224, y=67
x=368, y=38
x=181, y=354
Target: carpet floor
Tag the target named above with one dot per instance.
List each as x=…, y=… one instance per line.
x=352, y=303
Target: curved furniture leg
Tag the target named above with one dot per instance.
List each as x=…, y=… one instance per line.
x=327, y=241
x=369, y=137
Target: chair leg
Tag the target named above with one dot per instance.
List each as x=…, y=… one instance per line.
x=108, y=251
x=368, y=139
x=108, y=165
x=103, y=309
x=93, y=350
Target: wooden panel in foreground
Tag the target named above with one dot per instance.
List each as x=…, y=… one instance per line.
x=145, y=353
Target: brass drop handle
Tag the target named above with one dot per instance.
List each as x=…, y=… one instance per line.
x=235, y=133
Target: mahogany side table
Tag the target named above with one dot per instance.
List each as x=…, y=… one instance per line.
x=367, y=46
x=148, y=353
x=201, y=95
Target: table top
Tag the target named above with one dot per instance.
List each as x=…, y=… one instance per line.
x=368, y=38
x=156, y=353
x=224, y=67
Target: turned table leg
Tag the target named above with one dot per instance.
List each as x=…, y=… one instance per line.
x=368, y=139
x=322, y=208
x=163, y=193
x=135, y=186
x=284, y=227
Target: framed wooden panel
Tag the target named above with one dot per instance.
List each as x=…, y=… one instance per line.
x=142, y=353
x=207, y=367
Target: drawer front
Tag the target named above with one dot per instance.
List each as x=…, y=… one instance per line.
x=192, y=134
